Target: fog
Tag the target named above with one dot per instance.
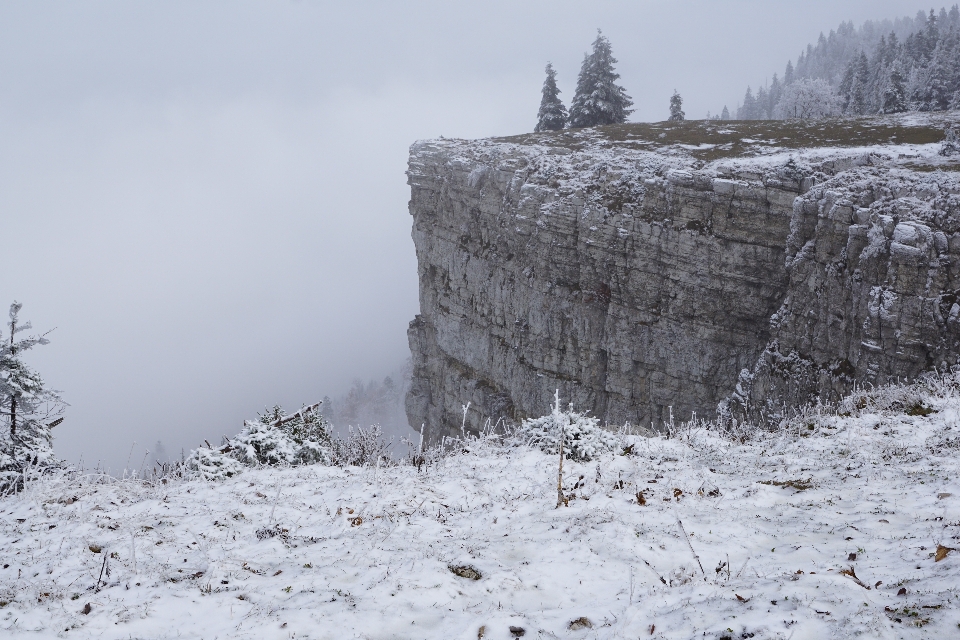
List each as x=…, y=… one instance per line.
x=207, y=200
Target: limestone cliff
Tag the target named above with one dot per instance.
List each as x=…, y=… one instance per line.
x=657, y=270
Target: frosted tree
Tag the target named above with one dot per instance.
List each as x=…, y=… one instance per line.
x=725, y=114
x=773, y=97
x=29, y=409
x=676, y=108
x=761, y=104
x=934, y=83
x=552, y=115
x=860, y=64
x=598, y=99
x=808, y=99
x=855, y=87
x=894, y=98
x=749, y=109
x=788, y=74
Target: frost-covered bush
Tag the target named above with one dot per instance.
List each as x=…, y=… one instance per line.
x=583, y=437
x=361, y=447
x=275, y=438
x=214, y=464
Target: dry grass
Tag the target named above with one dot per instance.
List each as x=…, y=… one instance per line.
x=739, y=138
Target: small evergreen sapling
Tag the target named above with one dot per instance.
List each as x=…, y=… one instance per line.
x=29, y=409
x=598, y=99
x=676, y=108
x=274, y=439
x=582, y=436
x=552, y=115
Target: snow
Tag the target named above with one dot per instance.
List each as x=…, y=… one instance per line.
x=366, y=552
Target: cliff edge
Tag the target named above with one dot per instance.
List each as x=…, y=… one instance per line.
x=653, y=271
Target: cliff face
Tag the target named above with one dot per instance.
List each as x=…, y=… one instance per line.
x=646, y=277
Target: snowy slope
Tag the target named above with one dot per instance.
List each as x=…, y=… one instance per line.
x=366, y=553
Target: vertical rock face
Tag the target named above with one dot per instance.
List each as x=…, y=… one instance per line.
x=873, y=289
x=645, y=284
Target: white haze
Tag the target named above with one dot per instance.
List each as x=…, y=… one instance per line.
x=208, y=199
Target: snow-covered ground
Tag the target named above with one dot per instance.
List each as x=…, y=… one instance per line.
x=827, y=529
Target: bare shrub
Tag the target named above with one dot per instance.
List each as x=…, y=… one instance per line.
x=361, y=448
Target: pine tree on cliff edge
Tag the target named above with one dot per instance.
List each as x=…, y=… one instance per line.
x=552, y=115
x=676, y=108
x=598, y=99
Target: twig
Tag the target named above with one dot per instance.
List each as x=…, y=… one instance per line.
x=852, y=574
x=275, y=499
x=743, y=566
x=650, y=566
x=687, y=538
x=133, y=551
x=556, y=420
x=102, y=567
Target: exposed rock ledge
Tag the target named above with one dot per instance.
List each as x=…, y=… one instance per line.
x=642, y=274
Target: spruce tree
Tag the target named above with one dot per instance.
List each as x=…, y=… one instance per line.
x=773, y=97
x=676, y=108
x=788, y=74
x=725, y=114
x=761, y=104
x=895, y=95
x=598, y=99
x=749, y=108
x=552, y=115
x=28, y=407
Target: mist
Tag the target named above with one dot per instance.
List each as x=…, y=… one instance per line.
x=207, y=201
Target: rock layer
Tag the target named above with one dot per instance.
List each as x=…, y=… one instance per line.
x=649, y=285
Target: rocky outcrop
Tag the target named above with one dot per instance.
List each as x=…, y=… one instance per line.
x=646, y=284
x=873, y=289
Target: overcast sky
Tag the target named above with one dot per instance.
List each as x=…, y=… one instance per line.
x=208, y=200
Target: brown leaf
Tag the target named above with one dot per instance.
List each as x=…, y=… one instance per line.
x=741, y=598
x=641, y=500
x=902, y=592
x=942, y=552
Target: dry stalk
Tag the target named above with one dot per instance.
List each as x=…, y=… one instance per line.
x=689, y=544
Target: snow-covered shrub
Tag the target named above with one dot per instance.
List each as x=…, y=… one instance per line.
x=275, y=438
x=583, y=437
x=214, y=464
x=361, y=447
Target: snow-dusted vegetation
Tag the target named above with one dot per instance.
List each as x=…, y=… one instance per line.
x=885, y=66
x=842, y=522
